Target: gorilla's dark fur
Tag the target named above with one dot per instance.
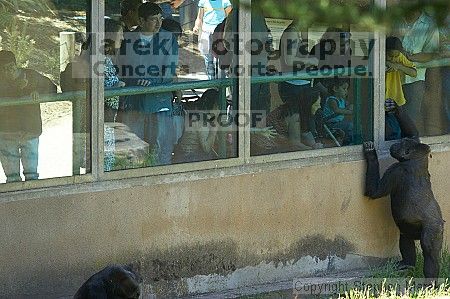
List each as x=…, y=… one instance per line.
x=113, y=282
x=414, y=207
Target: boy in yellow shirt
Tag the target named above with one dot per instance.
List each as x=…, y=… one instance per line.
x=397, y=66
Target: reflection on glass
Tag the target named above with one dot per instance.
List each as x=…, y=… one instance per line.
x=113, y=41
x=322, y=110
x=211, y=14
x=398, y=66
x=197, y=142
x=445, y=71
x=156, y=50
x=424, y=46
x=37, y=141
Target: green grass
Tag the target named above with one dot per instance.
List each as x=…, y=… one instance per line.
x=124, y=163
x=429, y=292
x=389, y=271
x=389, y=274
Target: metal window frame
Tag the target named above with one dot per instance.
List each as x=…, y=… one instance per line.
x=379, y=84
x=27, y=186
x=98, y=93
x=438, y=143
x=99, y=180
x=194, y=166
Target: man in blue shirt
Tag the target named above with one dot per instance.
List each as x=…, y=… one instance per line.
x=150, y=58
x=210, y=14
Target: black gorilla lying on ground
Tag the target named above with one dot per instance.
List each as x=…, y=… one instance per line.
x=414, y=207
x=113, y=282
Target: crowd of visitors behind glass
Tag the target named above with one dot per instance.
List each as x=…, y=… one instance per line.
x=142, y=49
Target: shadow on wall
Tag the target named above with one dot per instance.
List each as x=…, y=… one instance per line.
x=164, y=269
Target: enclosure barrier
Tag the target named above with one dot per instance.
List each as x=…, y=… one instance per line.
x=77, y=97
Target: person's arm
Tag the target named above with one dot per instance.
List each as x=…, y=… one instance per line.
x=176, y=3
x=337, y=110
x=207, y=138
x=228, y=34
x=227, y=6
x=266, y=132
x=290, y=44
x=199, y=20
x=228, y=10
x=407, y=70
x=423, y=57
x=37, y=83
x=430, y=49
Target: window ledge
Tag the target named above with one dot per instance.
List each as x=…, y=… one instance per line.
x=256, y=165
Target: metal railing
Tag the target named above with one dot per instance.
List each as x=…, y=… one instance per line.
x=80, y=102
x=218, y=83
x=128, y=91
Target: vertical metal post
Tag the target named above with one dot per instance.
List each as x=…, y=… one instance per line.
x=370, y=95
x=245, y=31
x=379, y=56
x=78, y=140
x=222, y=134
x=357, y=124
x=81, y=108
x=98, y=91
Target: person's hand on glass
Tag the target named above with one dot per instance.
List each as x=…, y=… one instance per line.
x=144, y=82
x=269, y=132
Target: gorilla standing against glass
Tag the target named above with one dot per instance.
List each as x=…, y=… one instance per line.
x=414, y=208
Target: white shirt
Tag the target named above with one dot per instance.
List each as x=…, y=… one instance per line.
x=422, y=36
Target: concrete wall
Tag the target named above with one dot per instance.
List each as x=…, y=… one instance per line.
x=204, y=235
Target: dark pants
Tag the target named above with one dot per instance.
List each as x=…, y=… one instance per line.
x=392, y=127
x=154, y=128
x=414, y=94
x=260, y=100
x=299, y=94
x=110, y=114
x=347, y=127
